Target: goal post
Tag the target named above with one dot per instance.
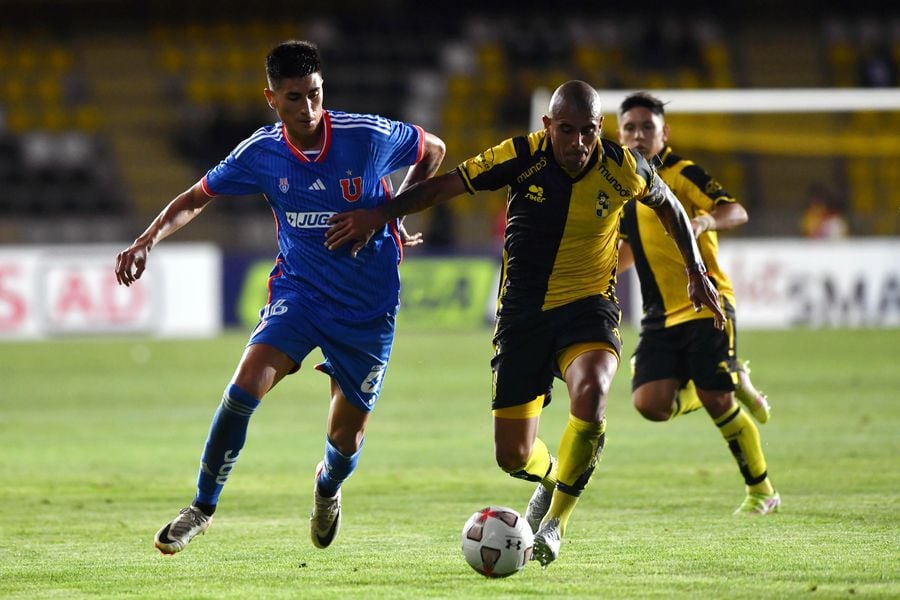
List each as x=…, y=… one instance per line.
x=734, y=101
x=842, y=122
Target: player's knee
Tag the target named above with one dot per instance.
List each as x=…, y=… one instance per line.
x=590, y=390
x=512, y=458
x=652, y=410
x=589, y=399
x=717, y=403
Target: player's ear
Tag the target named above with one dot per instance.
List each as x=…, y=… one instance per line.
x=665, y=136
x=270, y=97
x=546, y=120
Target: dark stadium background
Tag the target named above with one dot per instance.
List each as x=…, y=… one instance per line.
x=108, y=109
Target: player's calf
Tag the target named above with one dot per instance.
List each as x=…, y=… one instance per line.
x=755, y=401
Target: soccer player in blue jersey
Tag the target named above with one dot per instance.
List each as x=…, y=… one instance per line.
x=558, y=315
x=310, y=165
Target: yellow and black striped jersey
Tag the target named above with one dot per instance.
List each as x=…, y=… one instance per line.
x=561, y=231
x=659, y=265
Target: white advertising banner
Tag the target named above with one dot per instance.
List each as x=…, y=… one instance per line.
x=786, y=283
x=72, y=290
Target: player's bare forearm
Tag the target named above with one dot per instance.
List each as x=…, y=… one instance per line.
x=418, y=197
x=131, y=262
x=356, y=226
x=178, y=213
x=432, y=157
x=700, y=289
x=727, y=215
x=678, y=226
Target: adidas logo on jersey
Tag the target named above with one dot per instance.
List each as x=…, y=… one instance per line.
x=317, y=185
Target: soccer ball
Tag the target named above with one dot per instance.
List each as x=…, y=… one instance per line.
x=497, y=541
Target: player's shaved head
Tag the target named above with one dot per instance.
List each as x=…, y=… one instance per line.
x=575, y=95
x=573, y=124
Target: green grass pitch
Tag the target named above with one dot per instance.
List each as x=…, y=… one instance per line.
x=101, y=440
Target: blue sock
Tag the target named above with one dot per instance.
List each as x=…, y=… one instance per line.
x=224, y=442
x=338, y=467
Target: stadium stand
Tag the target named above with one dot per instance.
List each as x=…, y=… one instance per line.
x=112, y=117
x=54, y=164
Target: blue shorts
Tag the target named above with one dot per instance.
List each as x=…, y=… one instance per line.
x=356, y=355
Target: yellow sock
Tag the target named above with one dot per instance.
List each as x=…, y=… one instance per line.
x=539, y=466
x=686, y=401
x=764, y=487
x=742, y=436
x=579, y=451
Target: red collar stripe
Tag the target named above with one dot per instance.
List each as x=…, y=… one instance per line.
x=326, y=143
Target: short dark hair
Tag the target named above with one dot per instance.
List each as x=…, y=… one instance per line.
x=644, y=100
x=292, y=59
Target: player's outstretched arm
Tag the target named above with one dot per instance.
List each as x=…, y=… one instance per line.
x=432, y=157
x=700, y=289
x=724, y=216
x=357, y=226
x=131, y=262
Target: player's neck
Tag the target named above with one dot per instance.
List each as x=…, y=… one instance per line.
x=311, y=142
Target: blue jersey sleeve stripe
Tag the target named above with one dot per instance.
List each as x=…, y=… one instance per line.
x=380, y=130
x=342, y=117
x=258, y=135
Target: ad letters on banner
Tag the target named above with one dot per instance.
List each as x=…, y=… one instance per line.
x=781, y=284
x=56, y=290
x=13, y=304
x=82, y=296
x=786, y=283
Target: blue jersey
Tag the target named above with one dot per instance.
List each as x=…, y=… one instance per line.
x=304, y=189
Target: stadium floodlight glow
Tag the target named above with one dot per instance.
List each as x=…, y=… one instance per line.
x=732, y=101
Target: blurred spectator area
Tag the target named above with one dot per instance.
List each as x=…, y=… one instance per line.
x=57, y=172
x=116, y=117
x=53, y=174
x=42, y=83
x=214, y=72
x=492, y=69
x=767, y=160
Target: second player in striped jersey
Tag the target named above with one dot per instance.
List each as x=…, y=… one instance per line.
x=558, y=315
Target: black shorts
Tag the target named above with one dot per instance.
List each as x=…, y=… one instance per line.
x=526, y=347
x=692, y=350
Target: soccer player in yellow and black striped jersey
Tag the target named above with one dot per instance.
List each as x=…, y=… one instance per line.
x=683, y=363
x=557, y=311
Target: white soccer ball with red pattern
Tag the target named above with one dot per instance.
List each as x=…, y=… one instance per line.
x=497, y=541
